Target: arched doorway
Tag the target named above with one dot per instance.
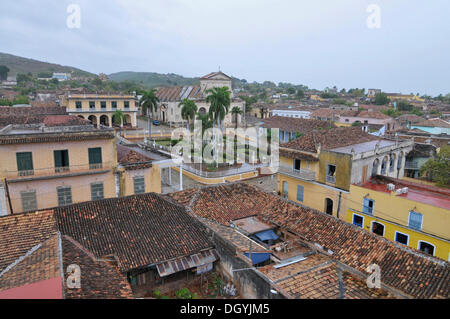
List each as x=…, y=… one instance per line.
x=81, y=117
x=329, y=206
x=392, y=159
x=202, y=111
x=378, y=228
x=116, y=120
x=127, y=120
x=93, y=120
x=384, y=165
x=376, y=162
x=399, y=161
x=104, y=120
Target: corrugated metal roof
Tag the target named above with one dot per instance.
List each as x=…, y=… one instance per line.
x=180, y=264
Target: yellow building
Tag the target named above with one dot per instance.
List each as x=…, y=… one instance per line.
x=137, y=173
x=409, y=213
x=100, y=108
x=317, y=169
x=405, y=97
x=62, y=161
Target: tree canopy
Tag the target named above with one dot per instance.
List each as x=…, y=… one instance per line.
x=438, y=169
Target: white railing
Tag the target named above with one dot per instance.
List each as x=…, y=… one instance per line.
x=222, y=172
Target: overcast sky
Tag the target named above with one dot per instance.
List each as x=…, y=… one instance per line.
x=317, y=43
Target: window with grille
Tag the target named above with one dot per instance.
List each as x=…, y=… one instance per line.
x=78, y=104
x=415, y=220
x=97, y=191
x=103, y=104
x=92, y=104
x=64, y=196
x=139, y=185
x=29, y=201
x=61, y=160
x=114, y=104
x=95, y=158
x=127, y=104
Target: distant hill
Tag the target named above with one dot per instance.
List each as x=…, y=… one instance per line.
x=152, y=79
x=18, y=64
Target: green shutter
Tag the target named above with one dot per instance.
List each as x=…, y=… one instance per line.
x=95, y=155
x=24, y=161
x=58, y=158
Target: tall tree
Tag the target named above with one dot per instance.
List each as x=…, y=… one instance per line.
x=188, y=111
x=381, y=99
x=118, y=118
x=438, y=169
x=236, y=111
x=149, y=104
x=219, y=99
x=4, y=72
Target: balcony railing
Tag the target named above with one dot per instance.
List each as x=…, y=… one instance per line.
x=304, y=174
x=411, y=165
x=62, y=169
x=56, y=171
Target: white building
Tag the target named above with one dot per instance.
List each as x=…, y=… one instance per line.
x=169, y=110
x=292, y=111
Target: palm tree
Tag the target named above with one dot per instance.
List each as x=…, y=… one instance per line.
x=188, y=111
x=118, y=118
x=236, y=111
x=219, y=99
x=149, y=104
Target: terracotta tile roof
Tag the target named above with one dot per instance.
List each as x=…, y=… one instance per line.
x=139, y=230
x=294, y=125
x=29, y=111
x=64, y=120
x=43, y=262
x=410, y=117
x=27, y=115
x=323, y=283
x=19, y=233
x=99, y=279
x=56, y=137
x=328, y=139
x=43, y=104
x=208, y=203
x=178, y=93
x=327, y=112
x=212, y=74
x=434, y=123
x=38, y=264
x=372, y=115
x=403, y=268
x=131, y=159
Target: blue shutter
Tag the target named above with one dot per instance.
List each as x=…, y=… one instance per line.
x=300, y=190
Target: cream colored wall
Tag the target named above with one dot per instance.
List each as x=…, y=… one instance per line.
x=46, y=193
x=43, y=160
x=71, y=104
x=152, y=180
